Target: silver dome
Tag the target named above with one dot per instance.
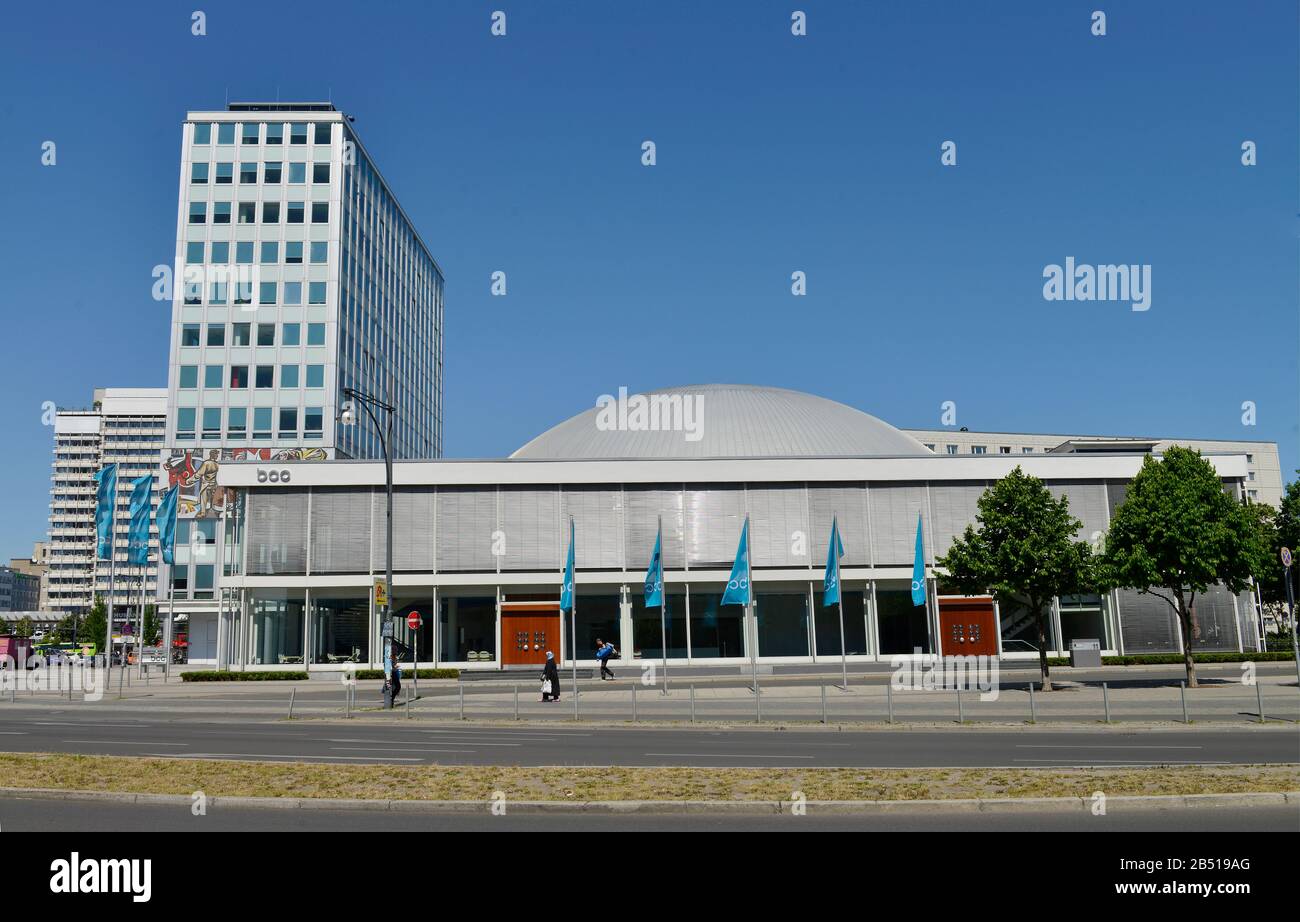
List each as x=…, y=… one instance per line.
x=737, y=421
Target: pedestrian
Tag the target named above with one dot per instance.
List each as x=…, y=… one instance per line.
x=396, y=679
x=603, y=653
x=550, y=679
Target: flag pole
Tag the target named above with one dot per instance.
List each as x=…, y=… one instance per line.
x=663, y=606
x=112, y=569
x=749, y=608
x=573, y=617
x=839, y=598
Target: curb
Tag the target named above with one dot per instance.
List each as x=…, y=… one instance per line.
x=730, y=807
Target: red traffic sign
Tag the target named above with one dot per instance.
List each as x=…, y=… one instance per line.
x=1286, y=557
x=413, y=621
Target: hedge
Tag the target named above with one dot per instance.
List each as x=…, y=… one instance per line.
x=222, y=675
x=407, y=673
x=1176, y=659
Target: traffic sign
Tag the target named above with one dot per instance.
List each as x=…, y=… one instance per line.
x=1286, y=556
x=413, y=621
x=381, y=593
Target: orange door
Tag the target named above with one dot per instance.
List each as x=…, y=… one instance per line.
x=526, y=635
x=967, y=627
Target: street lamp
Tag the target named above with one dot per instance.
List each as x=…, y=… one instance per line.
x=348, y=417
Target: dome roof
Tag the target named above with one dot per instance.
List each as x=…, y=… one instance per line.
x=724, y=421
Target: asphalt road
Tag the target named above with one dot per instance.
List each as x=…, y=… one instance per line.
x=39, y=815
x=398, y=742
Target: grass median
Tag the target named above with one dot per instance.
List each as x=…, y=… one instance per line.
x=478, y=782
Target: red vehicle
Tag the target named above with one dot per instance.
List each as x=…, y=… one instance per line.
x=18, y=649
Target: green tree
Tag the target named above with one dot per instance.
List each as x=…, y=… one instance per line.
x=1024, y=551
x=152, y=630
x=25, y=627
x=1177, y=534
x=94, y=629
x=1286, y=534
x=70, y=627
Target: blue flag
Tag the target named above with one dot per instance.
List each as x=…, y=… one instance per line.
x=654, y=576
x=834, y=551
x=167, y=525
x=566, y=591
x=105, y=509
x=137, y=538
x=738, y=588
x=918, y=567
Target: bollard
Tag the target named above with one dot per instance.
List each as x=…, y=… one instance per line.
x=292, y=692
x=692, y=702
x=1105, y=700
x=889, y=701
x=516, y=701
x=1182, y=696
x=1259, y=698
x=633, y=700
x=575, y=700
x=1033, y=711
x=460, y=689
x=347, y=701
x=758, y=704
x=961, y=714
x=823, y=704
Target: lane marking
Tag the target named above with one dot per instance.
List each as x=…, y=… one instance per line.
x=390, y=749
x=719, y=755
x=476, y=742
x=1090, y=746
x=125, y=743
x=1132, y=761
x=257, y=757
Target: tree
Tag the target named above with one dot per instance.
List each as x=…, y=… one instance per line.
x=25, y=627
x=1286, y=534
x=70, y=627
x=1178, y=531
x=94, y=628
x=150, y=635
x=1023, y=551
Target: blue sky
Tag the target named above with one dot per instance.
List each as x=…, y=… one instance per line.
x=775, y=154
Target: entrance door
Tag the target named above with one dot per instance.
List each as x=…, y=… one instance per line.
x=527, y=632
x=967, y=627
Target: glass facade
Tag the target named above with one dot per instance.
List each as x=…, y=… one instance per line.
x=855, y=624
x=598, y=616
x=340, y=627
x=782, y=622
x=903, y=627
x=647, y=633
x=467, y=624
x=276, y=620
x=717, y=630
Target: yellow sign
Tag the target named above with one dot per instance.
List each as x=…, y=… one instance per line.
x=381, y=593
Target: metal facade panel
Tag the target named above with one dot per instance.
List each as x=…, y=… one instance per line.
x=466, y=521
x=849, y=502
x=340, y=530
x=777, y=512
x=277, y=532
x=598, y=519
x=1088, y=503
x=413, y=529
x=894, y=508
x=534, y=538
x=1216, y=619
x=955, y=506
x=1148, y=623
x=714, y=515
x=642, y=505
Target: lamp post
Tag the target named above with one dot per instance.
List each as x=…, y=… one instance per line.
x=347, y=416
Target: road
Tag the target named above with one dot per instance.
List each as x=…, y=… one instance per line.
x=40, y=815
x=398, y=741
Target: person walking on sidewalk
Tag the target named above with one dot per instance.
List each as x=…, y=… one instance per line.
x=550, y=679
x=603, y=653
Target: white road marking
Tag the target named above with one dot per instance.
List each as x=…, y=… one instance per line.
x=390, y=749
x=126, y=743
x=721, y=755
x=1130, y=761
x=258, y=756
x=1091, y=746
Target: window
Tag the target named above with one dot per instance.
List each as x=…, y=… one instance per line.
x=930, y=445
x=951, y=449
x=189, y=377
x=1004, y=450
x=1253, y=494
x=198, y=173
x=270, y=212
x=288, y=376
x=265, y=376
x=1250, y=475
x=247, y=212
x=266, y=292
x=1250, y=459
x=221, y=252
x=293, y=251
x=320, y=252
x=226, y=133
x=293, y=292
x=198, y=212
x=193, y=253
x=979, y=449
x=290, y=335
x=193, y=292
x=313, y=422
x=298, y=133
x=185, y=423
x=189, y=334
x=243, y=292
x=238, y=377
x=320, y=173
x=288, y=422
x=270, y=253
x=212, y=375
x=315, y=292
x=275, y=133
x=247, y=173
x=202, y=133
x=271, y=172
x=220, y=212
x=315, y=334
x=322, y=132
x=216, y=334
x=244, y=253
x=315, y=375
x=237, y=421
x=225, y=174
x=252, y=133
x=295, y=212
x=297, y=173
x=261, y=422
x=320, y=212
x=240, y=334
x=266, y=334
x=218, y=293
x=1026, y=451
x=212, y=422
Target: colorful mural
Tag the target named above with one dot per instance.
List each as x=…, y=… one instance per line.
x=195, y=471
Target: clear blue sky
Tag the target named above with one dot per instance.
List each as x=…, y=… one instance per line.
x=775, y=153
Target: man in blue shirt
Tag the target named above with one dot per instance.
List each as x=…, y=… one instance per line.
x=603, y=652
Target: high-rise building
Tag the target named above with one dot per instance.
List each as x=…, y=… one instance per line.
x=123, y=426
x=299, y=276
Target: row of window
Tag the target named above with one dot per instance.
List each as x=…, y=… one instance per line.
x=270, y=252
x=981, y=449
x=237, y=423
x=241, y=334
x=267, y=293
x=251, y=132
x=273, y=173
x=214, y=376
x=246, y=213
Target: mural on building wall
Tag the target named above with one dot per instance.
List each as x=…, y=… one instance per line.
x=195, y=471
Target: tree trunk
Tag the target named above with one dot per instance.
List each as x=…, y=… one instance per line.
x=1042, y=647
x=1185, y=623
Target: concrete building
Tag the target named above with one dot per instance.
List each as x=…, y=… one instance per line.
x=300, y=276
x=37, y=565
x=479, y=545
x=123, y=426
x=19, y=591
x=1264, y=481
